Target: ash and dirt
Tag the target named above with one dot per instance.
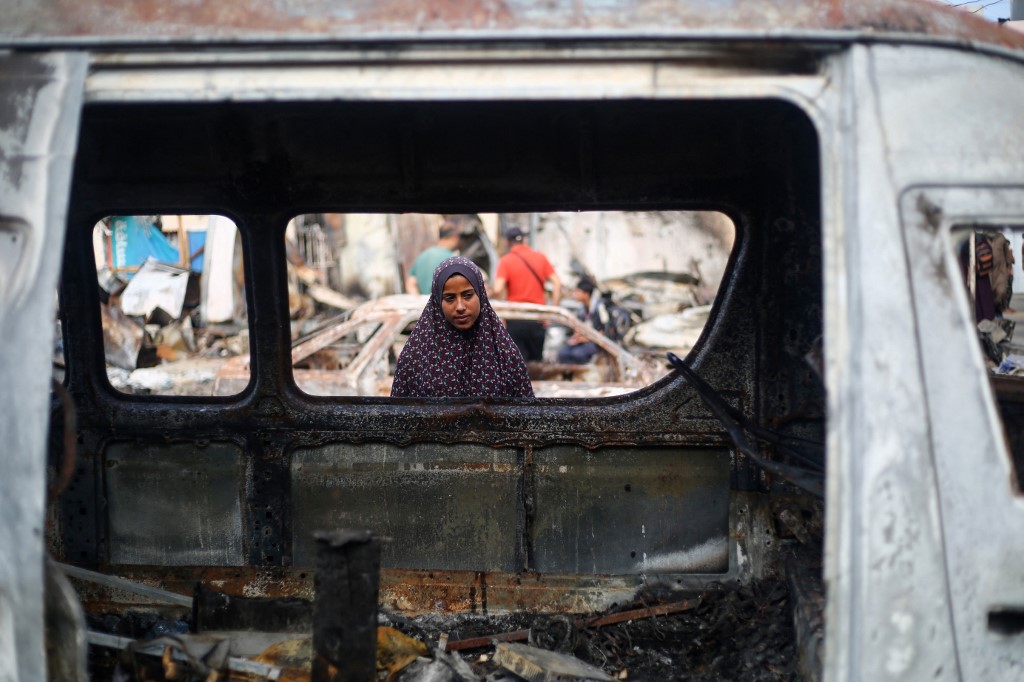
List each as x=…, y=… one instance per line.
x=734, y=633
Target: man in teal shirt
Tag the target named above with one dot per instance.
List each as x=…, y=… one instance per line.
x=422, y=271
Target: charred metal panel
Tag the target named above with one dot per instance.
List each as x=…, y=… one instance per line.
x=317, y=463
x=175, y=505
x=213, y=610
x=631, y=510
x=792, y=393
x=451, y=507
x=81, y=527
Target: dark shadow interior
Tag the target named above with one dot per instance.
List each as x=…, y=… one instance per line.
x=260, y=164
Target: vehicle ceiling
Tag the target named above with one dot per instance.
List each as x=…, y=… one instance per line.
x=287, y=158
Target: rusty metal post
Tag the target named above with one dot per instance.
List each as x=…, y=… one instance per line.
x=345, y=607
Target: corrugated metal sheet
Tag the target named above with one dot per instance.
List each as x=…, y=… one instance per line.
x=228, y=21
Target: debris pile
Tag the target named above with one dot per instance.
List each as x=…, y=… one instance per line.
x=668, y=310
x=151, y=339
x=727, y=633
x=996, y=338
x=676, y=332
x=650, y=294
x=741, y=633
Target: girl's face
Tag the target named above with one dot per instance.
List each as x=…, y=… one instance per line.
x=459, y=302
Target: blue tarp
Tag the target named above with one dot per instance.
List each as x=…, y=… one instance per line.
x=136, y=238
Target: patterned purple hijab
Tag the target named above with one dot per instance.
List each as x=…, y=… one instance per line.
x=440, y=361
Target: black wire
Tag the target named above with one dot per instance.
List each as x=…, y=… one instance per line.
x=984, y=6
x=971, y=2
x=736, y=424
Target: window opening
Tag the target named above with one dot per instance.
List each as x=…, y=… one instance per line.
x=172, y=303
x=988, y=260
x=990, y=257
x=355, y=292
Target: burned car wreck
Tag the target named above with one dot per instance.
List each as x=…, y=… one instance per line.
x=485, y=508
x=830, y=462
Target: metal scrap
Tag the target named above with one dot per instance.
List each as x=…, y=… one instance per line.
x=202, y=654
x=540, y=665
x=122, y=338
x=396, y=650
x=155, y=286
x=154, y=593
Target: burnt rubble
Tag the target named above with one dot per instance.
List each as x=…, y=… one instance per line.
x=733, y=633
x=729, y=632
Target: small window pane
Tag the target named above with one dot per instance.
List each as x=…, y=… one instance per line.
x=172, y=302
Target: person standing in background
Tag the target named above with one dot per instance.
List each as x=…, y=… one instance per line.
x=578, y=350
x=984, y=299
x=521, y=276
x=1002, y=271
x=422, y=271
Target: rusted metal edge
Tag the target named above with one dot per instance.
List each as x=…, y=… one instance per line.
x=408, y=591
x=107, y=49
x=155, y=21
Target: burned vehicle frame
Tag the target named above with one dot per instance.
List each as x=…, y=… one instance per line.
x=266, y=520
x=562, y=506
x=806, y=132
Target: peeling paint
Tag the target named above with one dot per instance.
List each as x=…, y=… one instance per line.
x=900, y=650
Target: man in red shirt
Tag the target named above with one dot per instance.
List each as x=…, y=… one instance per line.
x=522, y=273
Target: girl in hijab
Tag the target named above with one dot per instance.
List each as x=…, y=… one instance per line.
x=459, y=348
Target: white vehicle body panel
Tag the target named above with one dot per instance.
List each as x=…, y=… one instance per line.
x=40, y=97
